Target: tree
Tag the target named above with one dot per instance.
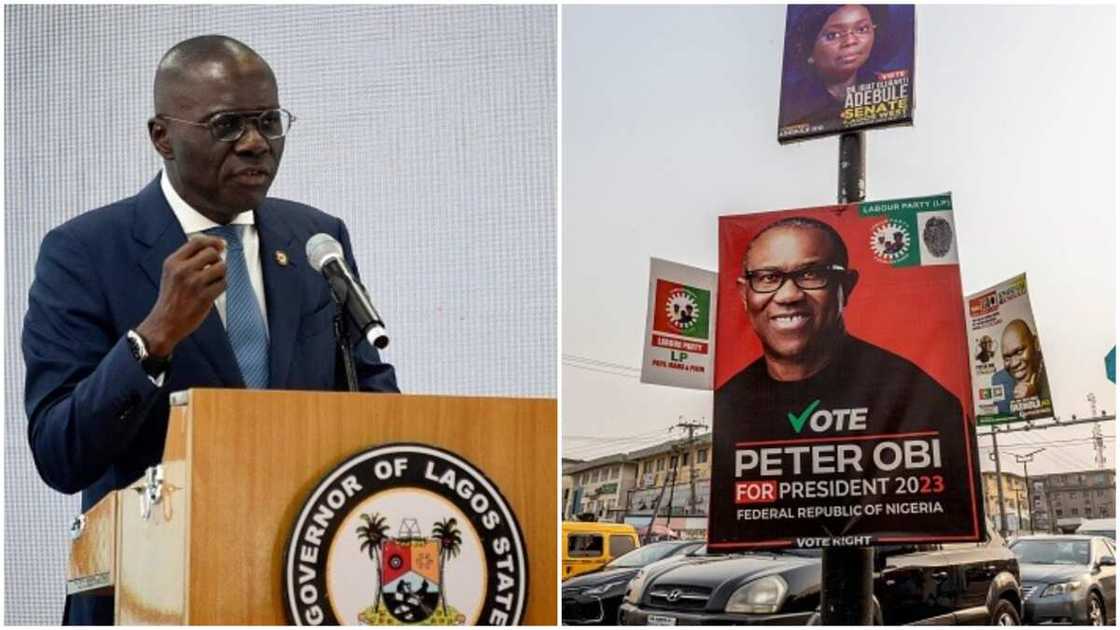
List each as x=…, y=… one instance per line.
x=372, y=534
x=447, y=533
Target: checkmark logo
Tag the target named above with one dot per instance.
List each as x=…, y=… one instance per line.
x=799, y=421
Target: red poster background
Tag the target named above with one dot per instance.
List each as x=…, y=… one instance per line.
x=660, y=315
x=915, y=312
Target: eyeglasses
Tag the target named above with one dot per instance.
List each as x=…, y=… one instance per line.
x=770, y=280
x=230, y=126
x=863, y=30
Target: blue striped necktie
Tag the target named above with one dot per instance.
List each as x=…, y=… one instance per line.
x=244, y=323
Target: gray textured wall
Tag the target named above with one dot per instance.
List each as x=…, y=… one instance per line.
x=429, y=130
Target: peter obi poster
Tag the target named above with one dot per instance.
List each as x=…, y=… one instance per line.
x=842, y=380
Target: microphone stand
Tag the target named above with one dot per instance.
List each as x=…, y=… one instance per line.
x=342, y=335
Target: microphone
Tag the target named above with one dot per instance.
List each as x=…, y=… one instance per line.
x=325, y=255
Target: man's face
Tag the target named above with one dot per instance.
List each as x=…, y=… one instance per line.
x=1019, y=352
x=222, y=179
x=791, y=321
x=840, y=48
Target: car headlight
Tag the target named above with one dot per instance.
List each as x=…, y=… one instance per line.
x=764, y=595
x=599, y=591
x=634, y=589
x=1060, y=588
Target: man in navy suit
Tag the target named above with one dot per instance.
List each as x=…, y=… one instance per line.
x=139, y=299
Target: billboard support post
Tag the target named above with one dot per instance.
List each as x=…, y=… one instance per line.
x=846, y=572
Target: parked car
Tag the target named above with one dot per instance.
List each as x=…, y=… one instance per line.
x=588, y=545
x=1098, y=527
x=593, y=598
x=1068, y=579
x=960, y=583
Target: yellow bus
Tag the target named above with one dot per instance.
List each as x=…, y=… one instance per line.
x=590, y=545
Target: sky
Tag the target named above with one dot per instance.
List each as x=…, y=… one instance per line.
x=669, y=120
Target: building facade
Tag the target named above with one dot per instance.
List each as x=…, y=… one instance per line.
x=1015, y=503
x=599, y=488
x=674, y=480
x=1061, y=501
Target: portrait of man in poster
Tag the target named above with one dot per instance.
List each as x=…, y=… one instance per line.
x=794, y=285
x=1023, y=375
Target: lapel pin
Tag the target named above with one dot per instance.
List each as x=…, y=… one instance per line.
x=281, y=258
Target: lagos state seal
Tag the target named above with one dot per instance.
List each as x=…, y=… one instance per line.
x=405, y=534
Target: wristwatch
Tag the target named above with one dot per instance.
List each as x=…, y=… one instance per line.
x=153, y=366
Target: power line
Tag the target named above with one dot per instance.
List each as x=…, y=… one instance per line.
x=1057, y=453
x=616, y=442
x=637, y=444
x=1071, y=442
x=591, y=369
x=1054, y=454
x=574, y=360
x=617, y=437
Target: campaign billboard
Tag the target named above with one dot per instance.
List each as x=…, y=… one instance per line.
x=842, y=380
x=1009, y=381
x=844, y=68
x=679, y=326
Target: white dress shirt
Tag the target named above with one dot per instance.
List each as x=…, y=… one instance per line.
x=194, y=222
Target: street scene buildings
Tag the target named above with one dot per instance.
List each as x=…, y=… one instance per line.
x=670, y=479
x=1056, y=503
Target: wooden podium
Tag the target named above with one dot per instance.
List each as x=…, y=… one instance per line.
x=238, y=467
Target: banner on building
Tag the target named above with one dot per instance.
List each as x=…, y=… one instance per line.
x=846, y=67
x=679, y=326
x=842, y=380
x=1008, y=372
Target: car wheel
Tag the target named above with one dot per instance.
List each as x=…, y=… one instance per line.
x=1005, y=614
x=1096, y=610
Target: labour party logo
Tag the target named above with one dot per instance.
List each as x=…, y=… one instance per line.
x=405, y=534
x=682, y=310
x=890, y=240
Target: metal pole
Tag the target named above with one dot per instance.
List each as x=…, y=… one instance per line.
x=653, y=517
x=846, y=572
x=999, y=485
x=1019, y=511
x=852, y=173
x=672, y=488
x=1024, y=459
x=1050, y=511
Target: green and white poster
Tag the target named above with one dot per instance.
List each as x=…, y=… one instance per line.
x=1009, y=381
x=679, y=326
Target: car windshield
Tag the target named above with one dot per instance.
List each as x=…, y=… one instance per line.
x=644, y=555
x=1055, y=551
x=1108, y=533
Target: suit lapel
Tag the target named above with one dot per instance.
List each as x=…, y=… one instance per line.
x=158, y=229
x=282, y=290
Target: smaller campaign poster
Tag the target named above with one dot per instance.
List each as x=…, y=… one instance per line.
x=842, y=408
x=1008, y=371
x=679, y=326
x=846, y=67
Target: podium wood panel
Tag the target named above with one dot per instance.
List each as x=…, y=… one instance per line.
x=93, y=555
x=252, y=458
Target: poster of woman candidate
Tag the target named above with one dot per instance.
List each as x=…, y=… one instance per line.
x=846, y=67
x=1008, y=373
x=842, y=380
